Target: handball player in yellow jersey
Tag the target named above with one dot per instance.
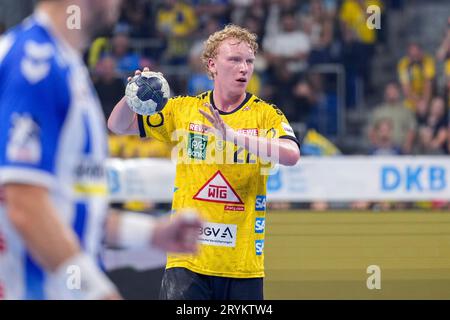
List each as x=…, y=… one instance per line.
x=226, y=139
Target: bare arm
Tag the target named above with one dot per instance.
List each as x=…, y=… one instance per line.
x=281, y=151
x=53, y=245
x=428, y=90
x=35, y=218
x=137, y=230
x=444, y=47
x=409, y=141
x=440, y=139
x=123, y=120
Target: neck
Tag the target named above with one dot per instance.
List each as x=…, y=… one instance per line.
x=227, y=102
x=78, y=39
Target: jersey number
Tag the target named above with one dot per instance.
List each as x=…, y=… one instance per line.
x=243, y=156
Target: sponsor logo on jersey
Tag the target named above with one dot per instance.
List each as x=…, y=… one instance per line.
x=155, y=120
x=288, y=129
x=218, y=234
x=260, y=203
x=249, y=132
x=278, y=111
x=90, y=178
x=24, y=144
x=35, y=65
x=234, y=208
x=197, y=144
x=259, y=247
x=271, y=133
x=260, y=224
x=218, y=189
x=197, y=127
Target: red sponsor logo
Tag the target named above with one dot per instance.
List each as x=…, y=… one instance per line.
x=234, y=208
x=218, y=189
x=249, y=132
x=2, y=292
x=197, y=127
x=218, y=192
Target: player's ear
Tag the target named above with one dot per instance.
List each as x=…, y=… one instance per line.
x=212, y=66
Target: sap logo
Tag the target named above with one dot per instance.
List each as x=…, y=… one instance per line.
x=259, y=246
x=260, y=224
x=260, y=204
x=413, y=178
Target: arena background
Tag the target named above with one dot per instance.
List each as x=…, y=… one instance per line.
x=331, y=88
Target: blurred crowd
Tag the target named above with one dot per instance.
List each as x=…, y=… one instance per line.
x=295, y=37
x=298, y=42
x=414, y=117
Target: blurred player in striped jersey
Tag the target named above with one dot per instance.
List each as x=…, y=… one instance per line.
x=226, y=138
x=52, y=150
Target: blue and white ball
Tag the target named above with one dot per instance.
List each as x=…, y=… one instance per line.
x=147, y=93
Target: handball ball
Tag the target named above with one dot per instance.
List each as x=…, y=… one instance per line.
x=147, y=93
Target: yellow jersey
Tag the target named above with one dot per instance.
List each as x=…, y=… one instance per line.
x=355, y=16
x=416, y=74
x=224, y=182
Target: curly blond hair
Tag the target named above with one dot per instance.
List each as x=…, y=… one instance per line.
x=211, y=45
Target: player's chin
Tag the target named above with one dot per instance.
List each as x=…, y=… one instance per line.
x=240, y=87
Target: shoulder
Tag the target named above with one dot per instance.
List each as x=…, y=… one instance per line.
x=428, y=58
x=403, y=62
x=32, y=57
x=32, y=67
x=267, y=107
x=189, y=101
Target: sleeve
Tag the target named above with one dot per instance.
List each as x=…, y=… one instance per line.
x=278, y=127
x=402, y=70
x=430, y=70
x=34, y=100
x=160, y=125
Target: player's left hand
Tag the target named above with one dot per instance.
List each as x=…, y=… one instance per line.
x=178, y=234
x=219, y=127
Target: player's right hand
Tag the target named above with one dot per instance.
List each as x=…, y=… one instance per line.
x=138, y=72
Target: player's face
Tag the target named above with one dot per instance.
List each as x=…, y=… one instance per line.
x=233, y=66
x=103, y=15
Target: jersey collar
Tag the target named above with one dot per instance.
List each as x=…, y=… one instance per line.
x=247, y=98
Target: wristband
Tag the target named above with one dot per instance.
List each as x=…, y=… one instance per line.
x=135, y=230
x=79, y=278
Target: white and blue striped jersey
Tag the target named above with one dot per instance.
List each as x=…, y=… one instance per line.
x=52, y=134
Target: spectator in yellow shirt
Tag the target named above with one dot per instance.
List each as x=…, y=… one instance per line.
x=416, y=72
x=176, y=20
x=353, y=14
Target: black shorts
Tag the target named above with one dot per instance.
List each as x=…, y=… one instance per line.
x=183, y=284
